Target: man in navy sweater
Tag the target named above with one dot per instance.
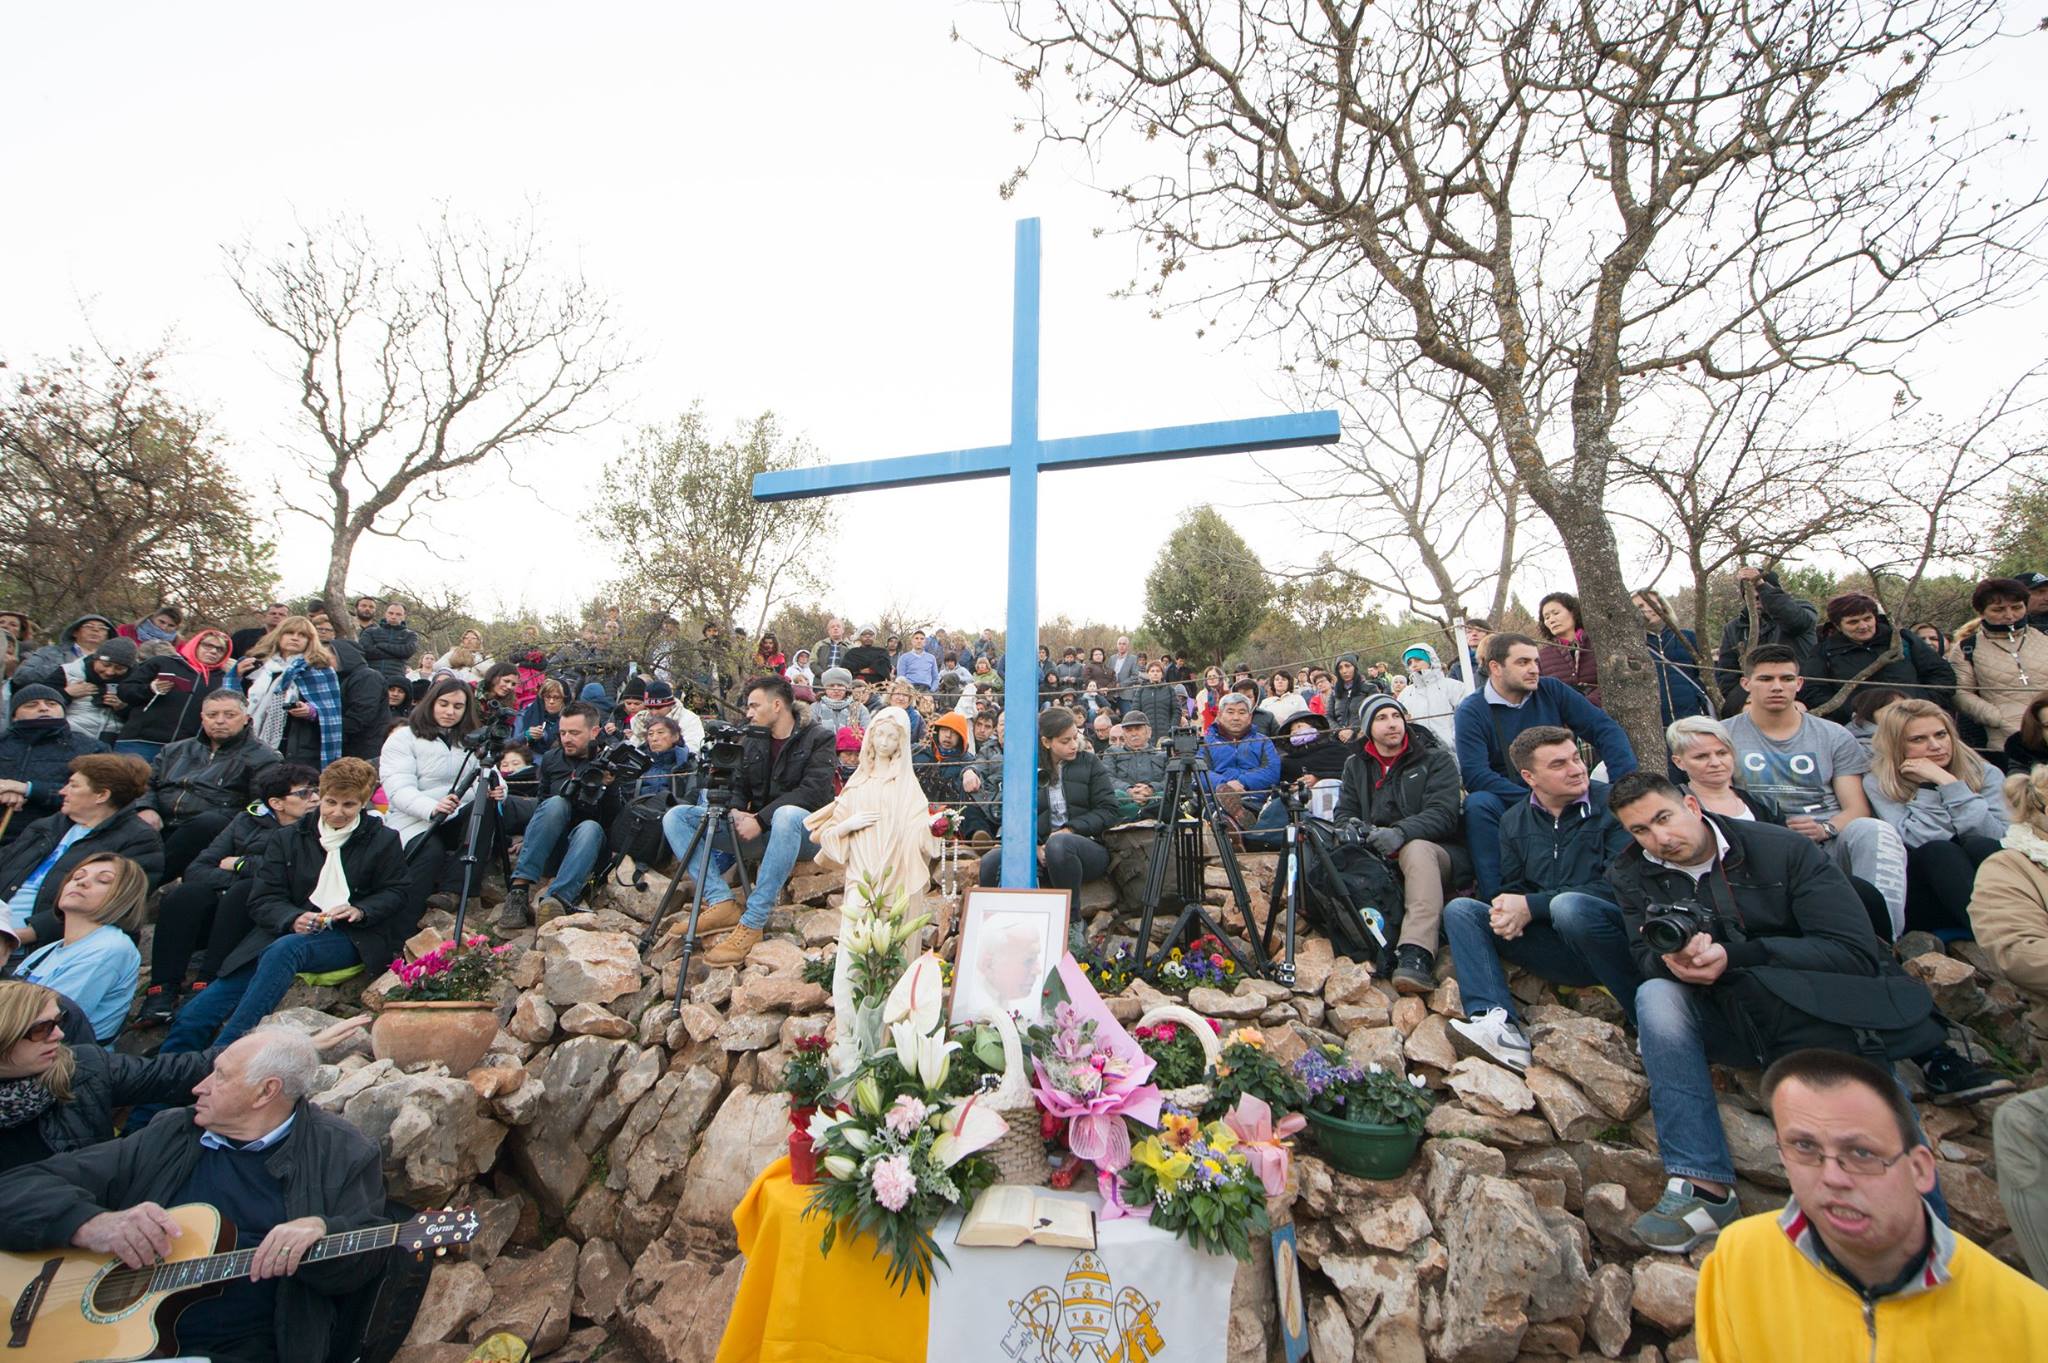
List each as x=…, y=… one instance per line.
x=1518, y=696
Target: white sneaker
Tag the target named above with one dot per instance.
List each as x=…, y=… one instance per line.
x=1493, y=1036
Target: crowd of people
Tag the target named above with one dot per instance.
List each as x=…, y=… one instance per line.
x=292, y=797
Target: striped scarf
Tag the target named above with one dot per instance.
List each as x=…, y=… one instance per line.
x=319, y=688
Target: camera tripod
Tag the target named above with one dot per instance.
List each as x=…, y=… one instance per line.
x=486, y=745
x=718, y=796
x=1188, y=806
x=1306, y=848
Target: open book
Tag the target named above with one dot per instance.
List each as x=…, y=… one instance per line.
x=1009, y=1214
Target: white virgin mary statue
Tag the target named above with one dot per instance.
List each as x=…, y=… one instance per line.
x=880, y=827
x=880, y=831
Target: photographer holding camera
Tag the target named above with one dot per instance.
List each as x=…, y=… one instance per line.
x=783, y=772
x=581, y=797
x=1752, y=944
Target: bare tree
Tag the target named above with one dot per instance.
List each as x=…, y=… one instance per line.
x=412, y=371
x=1415, y=503
x=1555, y=203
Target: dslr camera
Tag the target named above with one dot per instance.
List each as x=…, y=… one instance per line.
x=1668, y=927
x=725, y=744
x=617, y=763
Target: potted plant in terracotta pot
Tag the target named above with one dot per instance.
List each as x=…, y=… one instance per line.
x=805, y=1077
x=1367, y=1121
x=444, y=1009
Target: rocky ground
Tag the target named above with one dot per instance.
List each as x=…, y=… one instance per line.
x=608, y=1135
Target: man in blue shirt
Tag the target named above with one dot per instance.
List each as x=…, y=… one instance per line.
x=916, y=665
x=1518, y=696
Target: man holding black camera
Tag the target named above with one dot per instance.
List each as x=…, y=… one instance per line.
x=579, y=801
x=783, y=773
x=1752, y=944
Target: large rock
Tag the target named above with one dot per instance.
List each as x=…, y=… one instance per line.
x=589, y=967
x=1571, y=1113
x=1350, y=982
x=1499, y=1247
x=1608, y=1322
x=746, y=1135
x=434, y=1131
x=601, y=1275
x=1664, y=1292
x=1329, y=1330
x=1430, y=1042
x=777, y=993
x=1490, y=1089
x=682, y=1305
x=574, y=1077
x=457, y=1294
x=1596, y=1057
x=660, y=1134
x=532, y=1297
x=588, y=1019
x=533, y=1019
x=1214, y=1003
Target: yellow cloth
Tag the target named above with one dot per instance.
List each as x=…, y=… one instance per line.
x=798, y=1306
x=1762, y=1301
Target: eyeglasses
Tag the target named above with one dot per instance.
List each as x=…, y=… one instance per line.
x=305, y=793
x=41, y=1030
x=1854, y=1160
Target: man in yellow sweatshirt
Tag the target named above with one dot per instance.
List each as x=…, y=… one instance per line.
x=1857, y=1267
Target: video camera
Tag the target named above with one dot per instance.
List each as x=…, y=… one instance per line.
x=725, y=744
x=489, y=738
x=1668, y=927
x=615, y=764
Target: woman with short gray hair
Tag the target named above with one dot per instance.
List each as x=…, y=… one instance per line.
x=1702, y=749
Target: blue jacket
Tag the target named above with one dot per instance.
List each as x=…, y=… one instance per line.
x=1679, y=693
x=1542, y=857
x=1485, y=730
x=1251, y=760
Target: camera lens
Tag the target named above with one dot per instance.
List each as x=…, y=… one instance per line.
x=1664, y=936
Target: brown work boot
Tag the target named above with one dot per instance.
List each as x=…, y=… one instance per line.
x=733, y=948
x=715, y=917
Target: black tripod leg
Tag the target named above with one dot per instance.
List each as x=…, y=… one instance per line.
x=668, y=897
x=1156, y=866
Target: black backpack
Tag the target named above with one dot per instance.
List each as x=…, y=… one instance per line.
x=636, y=833
x=1369, y=887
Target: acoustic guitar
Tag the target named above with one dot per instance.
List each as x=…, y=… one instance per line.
x=69, y=1306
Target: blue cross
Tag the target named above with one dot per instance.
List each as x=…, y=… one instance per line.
x=1020, y=461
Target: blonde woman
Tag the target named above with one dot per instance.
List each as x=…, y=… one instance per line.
x=1939, y=795
x=467, y=659
x=2009, y=905
x=95, y=963
x=294, y=694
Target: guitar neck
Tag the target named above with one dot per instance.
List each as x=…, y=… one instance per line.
x=215, y=1268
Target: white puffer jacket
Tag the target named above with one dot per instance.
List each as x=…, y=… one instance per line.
x=1431, y=698
x=417, y=773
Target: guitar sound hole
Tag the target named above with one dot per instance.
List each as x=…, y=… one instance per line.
x=119, y=1290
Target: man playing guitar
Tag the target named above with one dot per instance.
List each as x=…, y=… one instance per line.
x=284, y=1173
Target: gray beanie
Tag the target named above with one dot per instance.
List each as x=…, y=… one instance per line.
x=24, y=694
x=836, y=676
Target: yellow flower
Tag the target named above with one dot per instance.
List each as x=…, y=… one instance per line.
x=1178, y=1130
x=1229, y=967
x=1247, y=1036
x=1221, y=1138
x=1215, y=1169
x=1176, y=953
x=1168, y=1167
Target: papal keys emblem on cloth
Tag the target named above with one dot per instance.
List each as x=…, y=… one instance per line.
x=1084, y=1320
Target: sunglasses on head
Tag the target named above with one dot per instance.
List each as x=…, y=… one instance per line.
x=41, y=1030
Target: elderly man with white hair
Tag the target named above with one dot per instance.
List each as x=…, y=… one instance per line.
x=283, y=1172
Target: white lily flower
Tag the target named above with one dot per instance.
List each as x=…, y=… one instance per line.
x=840, y=1167
x=867, y=1095
x=821, y=1125
x=857, y=1137
x=970, y=1125
x=918, y=996
x=927, y=1055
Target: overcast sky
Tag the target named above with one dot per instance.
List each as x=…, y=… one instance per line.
x=794, y=207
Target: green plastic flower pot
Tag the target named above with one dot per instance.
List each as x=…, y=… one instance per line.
x=1366, y=1149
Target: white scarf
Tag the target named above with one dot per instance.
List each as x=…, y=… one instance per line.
x=2025, y=841
x=331, y=889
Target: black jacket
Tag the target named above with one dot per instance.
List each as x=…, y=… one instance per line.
x=165, y=718
x=1092, y=809
x=1782, y=618
x=1325, y=759
x=192, y=776
x=327, y=1167
x=365, y=719
x=1543, y=857
x=245, y=837
x=869, y=663
x=801, y=776
x=1418, y=795
x=1911, y=666
x=103, y=1080
x=43, y=759
x=124, y=833
x=389, y=648
x=553, y=776
x=379, y=883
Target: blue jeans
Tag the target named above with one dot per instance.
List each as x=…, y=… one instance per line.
x=1584, y=943
x=552, y=822
x=246, y=997
x=786, y=844
x=144, y=750
x=1483, y=813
